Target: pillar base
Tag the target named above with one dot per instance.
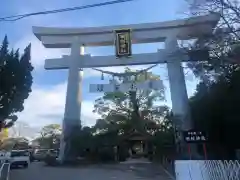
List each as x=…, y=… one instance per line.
x=71, y=129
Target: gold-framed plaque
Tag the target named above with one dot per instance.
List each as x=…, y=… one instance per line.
x=123, y=43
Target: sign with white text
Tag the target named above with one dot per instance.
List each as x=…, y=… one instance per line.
x=194, y=136
x=125, y=87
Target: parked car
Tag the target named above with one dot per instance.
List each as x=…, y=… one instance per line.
x=19, y=158
x=40, y=154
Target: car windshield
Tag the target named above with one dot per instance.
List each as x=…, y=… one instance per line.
x=55, y=151
x=19, y=153
x=40, y=151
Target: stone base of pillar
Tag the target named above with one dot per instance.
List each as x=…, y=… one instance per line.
x=68, y=153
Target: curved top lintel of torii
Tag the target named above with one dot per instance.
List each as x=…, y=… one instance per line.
x=184, y=29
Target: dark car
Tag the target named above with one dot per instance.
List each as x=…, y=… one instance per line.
x=40, y=154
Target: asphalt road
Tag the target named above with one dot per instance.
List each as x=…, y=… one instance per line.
x=38, y=171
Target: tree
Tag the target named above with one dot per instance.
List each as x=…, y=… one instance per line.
x=3, y=134
x=124, y=112
x=15, y=82
x=134, y=109
x=215, y=110
x=80, y=140
x=214, y=106
x=50, y=136
x=50, y=130
x=15, y=143
x=223, y=44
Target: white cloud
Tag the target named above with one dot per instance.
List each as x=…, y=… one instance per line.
x=21, y=128
x=38, y=52
x=45, y=106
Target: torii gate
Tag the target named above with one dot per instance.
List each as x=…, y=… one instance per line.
x=168, y=32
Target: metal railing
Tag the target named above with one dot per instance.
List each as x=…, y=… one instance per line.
x=207, y=170
x=168, y=165
x=4, y=171
x=4, y=166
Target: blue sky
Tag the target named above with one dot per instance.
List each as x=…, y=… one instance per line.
x=46, y=103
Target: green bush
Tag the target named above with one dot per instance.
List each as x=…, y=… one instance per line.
x=106, y=154
x=123, y=153
x=50, y=160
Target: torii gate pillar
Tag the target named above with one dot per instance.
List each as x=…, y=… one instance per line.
x=72, y=112
x=179, y=97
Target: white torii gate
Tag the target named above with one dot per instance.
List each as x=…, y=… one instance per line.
x=168, y=32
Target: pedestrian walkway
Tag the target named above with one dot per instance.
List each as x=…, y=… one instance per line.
x=136, y=161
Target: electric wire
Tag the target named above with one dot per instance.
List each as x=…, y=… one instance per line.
x=18, y=17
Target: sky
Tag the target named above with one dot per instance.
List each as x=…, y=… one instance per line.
x=45, y=104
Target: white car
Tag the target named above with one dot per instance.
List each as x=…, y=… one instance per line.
x=19, y=158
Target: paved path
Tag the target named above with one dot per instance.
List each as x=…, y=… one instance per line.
x=38, y=171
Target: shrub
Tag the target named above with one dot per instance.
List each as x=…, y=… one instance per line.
x=50, y=160
x=106, y=154
x=123, y=153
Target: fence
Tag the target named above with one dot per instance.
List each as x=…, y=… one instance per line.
x=4, y=171
x=207, y=170
x=168, y=165
x=4, y=166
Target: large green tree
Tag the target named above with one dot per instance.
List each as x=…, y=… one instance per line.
x=215, y=104
x=223, y=44
x=140, y=110
x=215, y=109
x=49, y=136
x=15, y=143
x=133, y=109
x=15, y=82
